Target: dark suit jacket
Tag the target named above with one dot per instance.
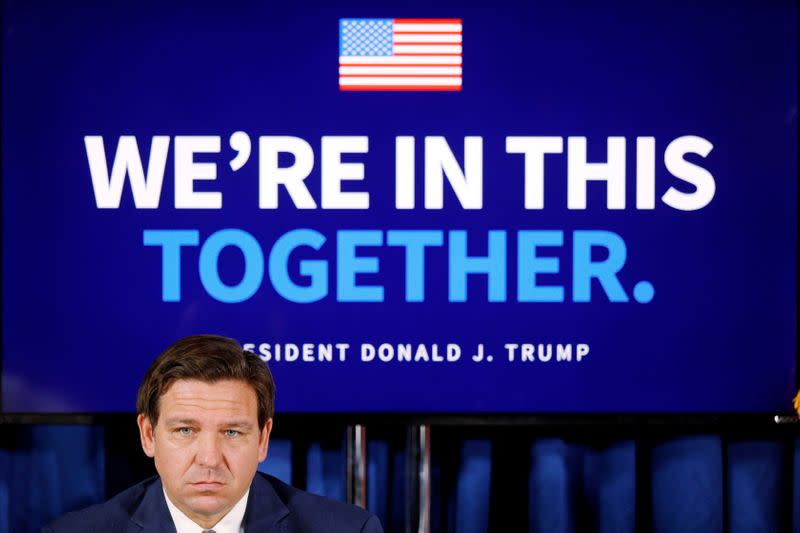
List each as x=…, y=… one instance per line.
x=273, y=506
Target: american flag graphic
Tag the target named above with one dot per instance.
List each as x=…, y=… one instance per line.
x=400, y=54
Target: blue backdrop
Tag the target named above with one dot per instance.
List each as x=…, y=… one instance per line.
x=84, y=287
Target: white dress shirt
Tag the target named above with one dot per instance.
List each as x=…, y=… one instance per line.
x=230, y=523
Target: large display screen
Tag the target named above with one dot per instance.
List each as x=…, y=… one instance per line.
x=519, y=207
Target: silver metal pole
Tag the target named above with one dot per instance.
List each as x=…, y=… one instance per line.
x=418, y=480
x=357, y=465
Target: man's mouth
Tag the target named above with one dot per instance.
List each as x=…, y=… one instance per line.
x=208, y=485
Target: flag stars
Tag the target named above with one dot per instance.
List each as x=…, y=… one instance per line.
x=367, y=37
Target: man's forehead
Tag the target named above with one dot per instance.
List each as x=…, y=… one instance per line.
x=220, y=396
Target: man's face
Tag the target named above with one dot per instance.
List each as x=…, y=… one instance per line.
x=206, y=445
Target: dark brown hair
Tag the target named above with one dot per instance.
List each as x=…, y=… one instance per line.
x=206, y=358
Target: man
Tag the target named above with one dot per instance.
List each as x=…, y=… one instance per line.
x=205, y=414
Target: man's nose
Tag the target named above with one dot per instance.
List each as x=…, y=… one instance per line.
x=209, y=451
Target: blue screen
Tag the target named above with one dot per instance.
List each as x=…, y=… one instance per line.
x=589, y=208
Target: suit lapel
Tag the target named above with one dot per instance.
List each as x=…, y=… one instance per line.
x=152, y=513
x=264, y=508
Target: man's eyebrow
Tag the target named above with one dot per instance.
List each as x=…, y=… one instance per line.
x=239, y=424
x=181, y=421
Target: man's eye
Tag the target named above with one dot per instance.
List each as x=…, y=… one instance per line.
x=184, y=431
x=231, y=433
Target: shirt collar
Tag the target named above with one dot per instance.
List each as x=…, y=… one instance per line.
x=230, y=523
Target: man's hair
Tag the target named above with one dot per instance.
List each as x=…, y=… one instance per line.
x=208, y=358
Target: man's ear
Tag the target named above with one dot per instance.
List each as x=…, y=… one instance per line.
x=146, y=435
x=263, y=440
